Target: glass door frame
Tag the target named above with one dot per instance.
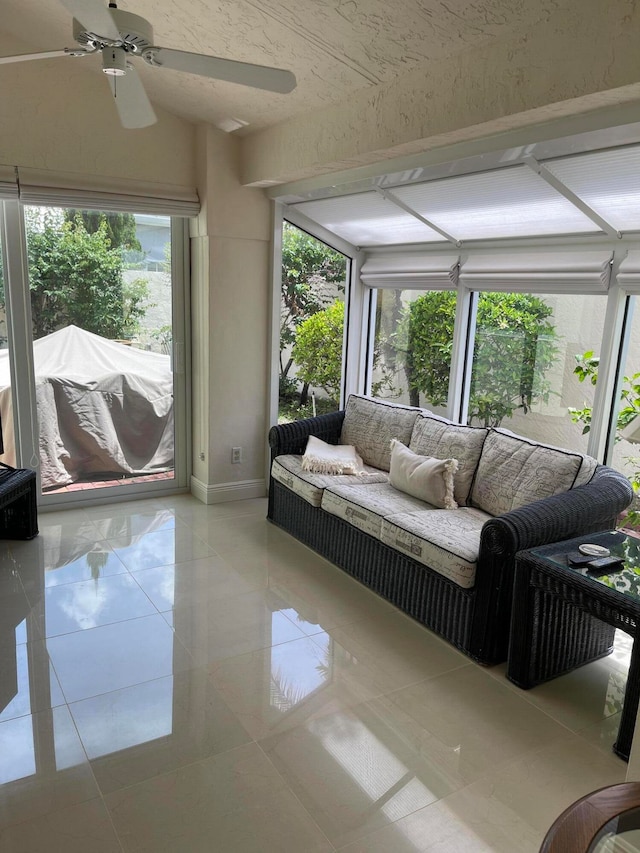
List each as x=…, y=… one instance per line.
x=19, y=326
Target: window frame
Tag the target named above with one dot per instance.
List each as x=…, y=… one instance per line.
x=353, y=358
x=362, y=298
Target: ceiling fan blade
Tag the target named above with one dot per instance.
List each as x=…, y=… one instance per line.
x=244, y=73
x=25, y=57
x=132, y=103
x=94, y=17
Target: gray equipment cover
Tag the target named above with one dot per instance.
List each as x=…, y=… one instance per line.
x=103, y=407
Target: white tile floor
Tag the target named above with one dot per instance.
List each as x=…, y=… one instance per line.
x=176, y=677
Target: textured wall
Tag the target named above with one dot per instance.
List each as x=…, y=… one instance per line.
x=583, y=57
x=231, y=283
x=57, y=116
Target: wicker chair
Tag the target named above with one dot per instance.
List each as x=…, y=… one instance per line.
x=18, y=501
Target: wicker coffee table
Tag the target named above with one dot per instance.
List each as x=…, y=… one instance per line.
x=564, y=617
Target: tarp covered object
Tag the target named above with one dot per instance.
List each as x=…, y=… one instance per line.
x=103, y=408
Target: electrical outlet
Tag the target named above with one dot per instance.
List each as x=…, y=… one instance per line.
x=236, y=454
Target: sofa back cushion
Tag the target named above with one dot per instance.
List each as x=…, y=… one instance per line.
x=370, y=425
x=514, y=471
x=435, y=436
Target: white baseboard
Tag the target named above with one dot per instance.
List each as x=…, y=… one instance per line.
x=221, y=492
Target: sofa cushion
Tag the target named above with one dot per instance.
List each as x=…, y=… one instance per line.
x=309, y=486
x=514, y=471
x=365, y=506
x=423, y=477
x=322, y=458
x=446, y=541
x=370, y=424
x=434, y=436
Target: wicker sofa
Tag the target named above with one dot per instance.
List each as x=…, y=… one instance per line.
x=450, y=569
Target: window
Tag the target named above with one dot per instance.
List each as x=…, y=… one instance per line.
x=412, y=347
x=525, y=353
x=312, y=320
x=626, y=450
x=3, y=316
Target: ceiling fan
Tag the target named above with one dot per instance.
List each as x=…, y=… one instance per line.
x=120, y=35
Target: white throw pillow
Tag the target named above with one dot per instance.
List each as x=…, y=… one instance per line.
x=423, y=477
x=322, y=458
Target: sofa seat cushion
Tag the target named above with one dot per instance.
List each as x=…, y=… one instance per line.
x=365, y=506
x=445, y=540
x=370, y=425
x=309, y=486
x=514, y=471
x=442, y=439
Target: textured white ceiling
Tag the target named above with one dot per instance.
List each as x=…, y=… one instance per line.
x=334, y=47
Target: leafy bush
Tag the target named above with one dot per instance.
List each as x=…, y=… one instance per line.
x=307, y=265
x=429, y=335
x=515, y=346
x=120, y=227
x=318, y=350
x=587, y=364
x=586, y=369
x=76, y=277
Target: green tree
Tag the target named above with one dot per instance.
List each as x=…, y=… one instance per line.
x=426, y=337
x=318, y=350
x=120, y=227
x=307, y=264
x=586, y=369
x=75, y=277
x=135, y=296
x=515, y=346
x=587, y=364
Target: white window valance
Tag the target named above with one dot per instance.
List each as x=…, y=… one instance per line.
x=587, y=271
x=629, y=272
x=39, y=187
x=8, y=183
x=411, y=270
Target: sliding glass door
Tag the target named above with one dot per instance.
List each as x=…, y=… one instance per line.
x=100, y=333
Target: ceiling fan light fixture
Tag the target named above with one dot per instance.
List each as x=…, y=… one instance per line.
x=114, y=61
x=120, y=36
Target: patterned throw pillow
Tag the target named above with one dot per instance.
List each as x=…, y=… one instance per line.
x=322, y=458
x=423, y=477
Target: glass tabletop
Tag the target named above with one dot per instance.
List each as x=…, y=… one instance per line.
x=624, y=578
x=621, y=833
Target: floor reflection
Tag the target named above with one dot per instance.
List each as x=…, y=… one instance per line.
x=150, y=683
x=298, y=670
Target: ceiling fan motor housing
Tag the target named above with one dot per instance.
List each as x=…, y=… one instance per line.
x=136, y=34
